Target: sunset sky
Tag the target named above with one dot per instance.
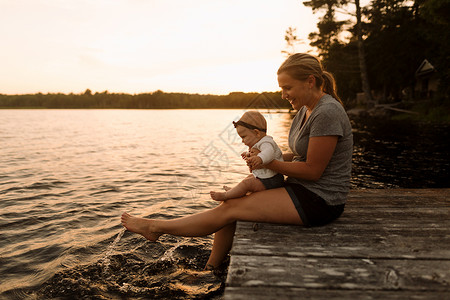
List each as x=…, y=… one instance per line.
x=137, y=46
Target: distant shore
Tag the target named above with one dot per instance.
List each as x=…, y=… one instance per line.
x=154, y=100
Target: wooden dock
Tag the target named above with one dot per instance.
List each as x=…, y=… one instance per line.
x=388, y=244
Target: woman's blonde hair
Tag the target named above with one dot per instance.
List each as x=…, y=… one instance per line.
x=301, y=65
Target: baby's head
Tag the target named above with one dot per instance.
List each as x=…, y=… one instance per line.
x=251, y=127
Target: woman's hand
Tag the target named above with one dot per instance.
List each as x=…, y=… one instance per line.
x=253, y=160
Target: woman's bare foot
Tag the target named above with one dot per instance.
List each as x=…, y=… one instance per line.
x=226, y=188
x=140, y=225
x=218, y=196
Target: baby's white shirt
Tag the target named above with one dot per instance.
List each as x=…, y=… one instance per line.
x=269, y=151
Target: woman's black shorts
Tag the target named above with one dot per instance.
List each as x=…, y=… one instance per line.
x=313, y=210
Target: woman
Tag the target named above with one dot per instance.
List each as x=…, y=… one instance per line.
x=318, y=169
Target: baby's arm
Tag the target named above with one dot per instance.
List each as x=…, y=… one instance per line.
x=267, y=153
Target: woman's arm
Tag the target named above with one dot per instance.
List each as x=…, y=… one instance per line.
x=320, y=151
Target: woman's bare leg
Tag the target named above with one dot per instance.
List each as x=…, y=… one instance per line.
x=140, y=225
x=223, y=240
x=273, y=206
x=200, y=224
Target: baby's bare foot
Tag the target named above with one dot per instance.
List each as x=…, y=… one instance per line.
x=226, y=188
x=218, y=196
x=140, y=225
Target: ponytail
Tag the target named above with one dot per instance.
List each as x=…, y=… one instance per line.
x=329, y=86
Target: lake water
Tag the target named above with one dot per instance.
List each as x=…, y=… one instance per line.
x=67, y=175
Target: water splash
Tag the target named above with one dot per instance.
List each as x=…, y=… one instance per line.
x=168, y=254
x=105, y=261
x=150, y=271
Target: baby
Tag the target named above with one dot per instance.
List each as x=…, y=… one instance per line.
x=252, y=127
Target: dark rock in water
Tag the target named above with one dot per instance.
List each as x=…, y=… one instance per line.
x=133, y=275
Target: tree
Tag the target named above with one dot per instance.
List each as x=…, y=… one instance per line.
x=329, y=30
x=342, y=61
x=396, y=44
x=329, y=27
x=362, y=58
x=291, y=40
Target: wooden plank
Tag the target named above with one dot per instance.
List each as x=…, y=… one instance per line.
x=395, y=201
x=339, y=273
x=266, y=293
x=403, y=193
x=359, y=242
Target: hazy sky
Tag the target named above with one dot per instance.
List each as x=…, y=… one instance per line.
x=136, y=46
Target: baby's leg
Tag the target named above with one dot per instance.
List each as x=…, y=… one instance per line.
x=254, y=184
x=249, y=184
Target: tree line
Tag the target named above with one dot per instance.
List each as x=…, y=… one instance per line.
x=154, y=100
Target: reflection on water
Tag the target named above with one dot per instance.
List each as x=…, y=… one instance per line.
x=67, y=175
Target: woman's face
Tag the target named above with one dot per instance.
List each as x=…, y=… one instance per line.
x=297, y=92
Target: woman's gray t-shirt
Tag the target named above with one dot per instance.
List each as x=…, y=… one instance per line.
x=327, y=118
